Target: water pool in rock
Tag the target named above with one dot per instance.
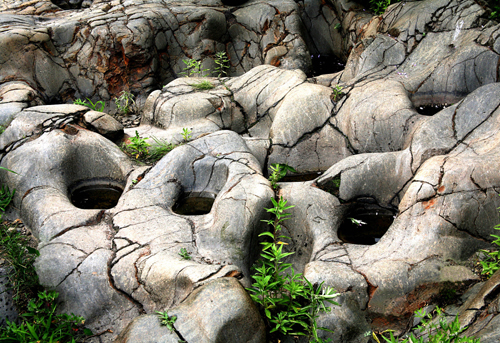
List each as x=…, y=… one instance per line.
x=96, y=195
x=325, y=64
x=430, y=110
x=369, y=225
x=194, y=205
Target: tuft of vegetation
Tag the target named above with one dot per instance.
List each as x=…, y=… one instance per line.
x=2, y=129
x=167, y=320
x=492, y=262
x=125, y=102
x=337, y=93
x=138, y=146
x=192, y=68
x=290, y=303
x=160, y=149
x=98, y=106
x=184, y=254
x=202, y=85
x=186, y=134
x=221, y=64
x=278, y=171
x=41, y=324
x=432, y=331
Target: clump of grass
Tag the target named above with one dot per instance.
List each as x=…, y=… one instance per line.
x=160, y=149
x=202, y=85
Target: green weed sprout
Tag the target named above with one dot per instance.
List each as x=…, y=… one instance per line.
x=193, y=67
x=186, y=134
x=291, y=304
x=125, y=102
x=160, y=149
x=138, y=146
x=184, y=254
x=278, y=171
x=221, y=64
x=91, y=105
x=337, y=93
x=41, y=324
x=202, y=85
x=441, y=332
x=492, y=264
x=166, y=320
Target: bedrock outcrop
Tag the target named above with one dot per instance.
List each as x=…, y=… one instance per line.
x=360, y=132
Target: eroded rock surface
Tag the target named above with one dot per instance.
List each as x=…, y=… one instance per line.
x=434, y=176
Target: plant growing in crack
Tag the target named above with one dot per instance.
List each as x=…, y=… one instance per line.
x=221, y=64
x=125, y=102
x=278, y=172
x=290, y=303
x=202, y=85
x=91, y=105
x=492, y=261
x=186, y=134
x=184, y=254
x=337, y=93
x=193, y=67
x=167, y=320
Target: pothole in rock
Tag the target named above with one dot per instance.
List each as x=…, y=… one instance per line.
x=430, y=110
x=194, y=204
x=95, y=194
x=300, y=178
x=365, y=223
x=325, y=64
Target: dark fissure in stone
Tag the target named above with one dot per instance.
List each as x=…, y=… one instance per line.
x=300, y=178
x=194, y=205
x=430, y=110
x=96, y=195
x=325, y=64
x=374, y=223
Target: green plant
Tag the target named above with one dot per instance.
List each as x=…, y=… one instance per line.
x=20, y=256
x=492, y=262
x=91, y=105
x=278, y=171
x=337, y=26
x=437, y=331
x=2, y=129
x=186, y=134
x=5, y=197
x=138, y=146
x=193, y=67
x=160, y=149
x=202, y=85
x=336, y=182
x=184, y=254
x=290, y=302
x=166, y=320
x=41, y=324
x=125, y=102
x=221, y=64
x=337, y=93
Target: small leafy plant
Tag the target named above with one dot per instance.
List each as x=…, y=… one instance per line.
x=290, y=302
x=166, y=320
x=440, y=332
x=6, y=197
x=202, y=85
x=184, y=254
x=221, y=64
x=90, y=104
x=337, y=93
x=160, y=149
x=278, y=171
x=125, y=102
x=138, y=146
x=492, y=262
x=41, y=324
x=379, y=6
x=193, y=67
x=186, y=134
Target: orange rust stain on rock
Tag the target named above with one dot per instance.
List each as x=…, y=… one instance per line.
x=275, y=61
x=428, y=204
x=441, y=189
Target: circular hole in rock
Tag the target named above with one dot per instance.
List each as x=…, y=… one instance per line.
x=365, y=224
x=430, y=110
x=194, y=204
x=95, y=194
x=325, y=64
x=300, y=178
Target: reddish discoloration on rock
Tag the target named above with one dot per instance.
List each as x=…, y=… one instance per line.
x=430, y=203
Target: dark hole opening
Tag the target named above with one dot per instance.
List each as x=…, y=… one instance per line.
x=325, y=64
x=96, y=194
x=195, y=204
x=365, y=224
x=300, y=178
x=430, y=110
